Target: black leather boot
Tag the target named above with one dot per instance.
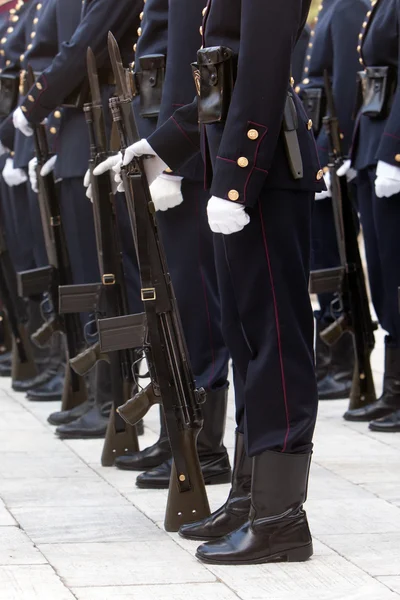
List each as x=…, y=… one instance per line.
x=93, y=423
x=150, y=457
x=55, y=366
x=213, y=455
x=68, y=416
x=5, y=364
x=277, y=529
x=388, y=424
x=50, y=391
x=235, y=511
x=337, y=382
x=390, y=399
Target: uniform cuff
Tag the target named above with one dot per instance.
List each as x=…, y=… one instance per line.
x=389, y=150
x=172, y=144
x=33, y=105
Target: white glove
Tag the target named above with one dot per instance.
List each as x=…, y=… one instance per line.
x=12, y=176
x=48, y=166
x=387, y=182
x=166, y=191
x=33, y=174
x=326, y=193
x=2, y=149
x=153, y=166
x=346, y=169
x=225, y=216
x=103, y=167
x=21, y=122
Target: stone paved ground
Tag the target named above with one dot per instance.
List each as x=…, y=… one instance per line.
x=72, y=529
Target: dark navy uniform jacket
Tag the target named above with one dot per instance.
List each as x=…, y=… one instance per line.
x=333, y=47
x=263, y=34
x=379, y=139
x=68, y=70
x=300, y=53
x=152, y=39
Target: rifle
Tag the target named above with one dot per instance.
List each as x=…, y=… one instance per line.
x=59, y=270
x=112, y=296
x=165, y=346
x=347, y=281
x=22, y=365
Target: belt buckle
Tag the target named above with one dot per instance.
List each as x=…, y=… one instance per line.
x=108, y=279
x=148, y=294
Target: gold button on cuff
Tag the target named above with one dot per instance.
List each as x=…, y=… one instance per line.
x=397, y=158
x=297, y=89
x=39, y=86
x=325, y=169
x=309, y=125
x=320, y=174
x=292, y=81
x=53, y=130
x=243, y=162
x=306, y=81
x=24, y=109
x=168, y=170
x=201, y=30
x=139, y=31
x=31, y=98
x=252, y=134
x=57, y=114
x=233, y=195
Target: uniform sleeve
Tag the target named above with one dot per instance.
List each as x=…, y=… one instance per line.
x=178, y=139
x=346, y=25
x=268, y=35
x=68, y=68
x=389, y=147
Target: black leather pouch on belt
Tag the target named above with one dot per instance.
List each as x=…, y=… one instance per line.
x=378, y=85
x=78, y=97
x=150, y=83
x=214, y=75
x=314, y=101
x=9, y=85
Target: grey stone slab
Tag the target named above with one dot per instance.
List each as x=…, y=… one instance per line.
x=328, y=577
x=198, y=591
x=32, y=582
x=23, y=465
x=325, y=485
x=5, y=516
x=377, y=554
x=68, y=492
x=122, y=563
x=86, y=524
x=20, y=420
x=123, y=481
x=387, y=490
x=35, y=440
x=353, y=516
x=360, y=470
x=392, y=582
x=17, y=549
x=88, y=450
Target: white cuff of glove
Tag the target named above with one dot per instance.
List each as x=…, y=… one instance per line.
x=32, y=166
x=387, y=182
x=48, y=166
x=225, y=216
x=11, y=176
x=166, y=191
x=346, y=169
x=21, y=122
x=88, y=185
x=325, y=193
x=153, y=166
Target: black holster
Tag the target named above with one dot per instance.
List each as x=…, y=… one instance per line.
x=376, y=87
x=314, y=101
x=150, y=83
x=9, y=85
x=214, y=75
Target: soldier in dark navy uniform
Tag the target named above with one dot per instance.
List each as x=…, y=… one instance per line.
x=332, y=48
x=59, y=85
x=187, y=240
x=260, y=209
x=376, y=156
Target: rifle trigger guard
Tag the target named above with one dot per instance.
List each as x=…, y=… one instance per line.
x=108, y=279
x=148, y=294
x=55, y=221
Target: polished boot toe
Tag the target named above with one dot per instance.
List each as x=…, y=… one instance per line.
x=36, y=382
x=149, y=458
x=50, y=391
x=93, y=424
x=249, y=545
x=373, y=411
x=215, y=470
x=388, y=424
x=64, y=417
x=330, y=388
